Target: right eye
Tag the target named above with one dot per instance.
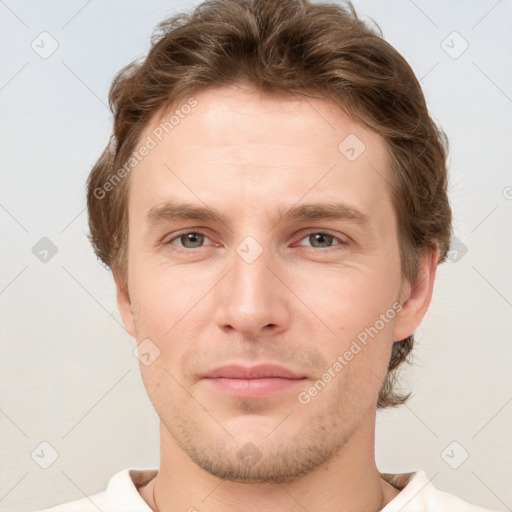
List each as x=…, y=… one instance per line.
x=189, y=239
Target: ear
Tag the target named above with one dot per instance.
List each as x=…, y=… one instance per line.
x=415, y=297
x=124, y=303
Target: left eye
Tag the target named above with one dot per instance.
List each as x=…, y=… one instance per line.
x=194, y=238
x=321, y=240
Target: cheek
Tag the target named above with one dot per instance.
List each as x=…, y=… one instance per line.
x=360, y=308
x=171, y=310
x=163, y=297
x=347, y=300
x=357, y=366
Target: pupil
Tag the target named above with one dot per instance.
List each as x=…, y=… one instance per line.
x=321, y=238
x=192, y=238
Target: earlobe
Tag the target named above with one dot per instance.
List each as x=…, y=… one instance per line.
x=416, y=298
x=124, y=304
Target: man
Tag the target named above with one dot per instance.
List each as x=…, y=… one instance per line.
x=273, y=206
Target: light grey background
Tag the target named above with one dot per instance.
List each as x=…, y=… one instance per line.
x=68, y=374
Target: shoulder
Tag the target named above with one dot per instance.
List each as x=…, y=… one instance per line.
x=121, y=495
x=418, y=494
x=92, y=503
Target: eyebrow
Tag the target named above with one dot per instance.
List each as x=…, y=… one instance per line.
x=320, y=211
x=316, y=211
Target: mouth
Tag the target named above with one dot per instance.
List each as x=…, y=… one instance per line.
x=253, y=382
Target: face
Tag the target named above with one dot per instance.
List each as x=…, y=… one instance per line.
x=260, y=252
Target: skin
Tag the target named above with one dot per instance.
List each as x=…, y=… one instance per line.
x=299, y=304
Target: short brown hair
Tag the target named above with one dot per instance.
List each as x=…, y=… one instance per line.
x=290, y=46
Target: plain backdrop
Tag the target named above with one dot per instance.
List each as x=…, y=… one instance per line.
x=69, y=378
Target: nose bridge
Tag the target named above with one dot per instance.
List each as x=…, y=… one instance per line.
x=250, y=274
x=251, y=297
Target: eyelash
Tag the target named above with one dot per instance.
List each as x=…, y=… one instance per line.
x=312, y=232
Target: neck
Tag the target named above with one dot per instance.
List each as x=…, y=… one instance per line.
x=349, y=481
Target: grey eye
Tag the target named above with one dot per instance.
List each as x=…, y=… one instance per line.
x=191, y=240
x=320, y=240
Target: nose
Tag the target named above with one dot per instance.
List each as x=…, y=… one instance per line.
x=251, y=299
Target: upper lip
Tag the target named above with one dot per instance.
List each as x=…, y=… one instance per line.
x=253, y=372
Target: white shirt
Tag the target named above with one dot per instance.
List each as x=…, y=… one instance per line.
x=417, y=494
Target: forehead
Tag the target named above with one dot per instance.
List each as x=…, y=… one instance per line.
x=237, y=145
x=240, y=114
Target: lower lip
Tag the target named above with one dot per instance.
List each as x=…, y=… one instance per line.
x=253, y=388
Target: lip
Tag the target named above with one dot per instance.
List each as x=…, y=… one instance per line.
x=258, y=381
x=259, y=371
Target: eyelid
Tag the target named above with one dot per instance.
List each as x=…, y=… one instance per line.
x=342, y=239
x=166, y=240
